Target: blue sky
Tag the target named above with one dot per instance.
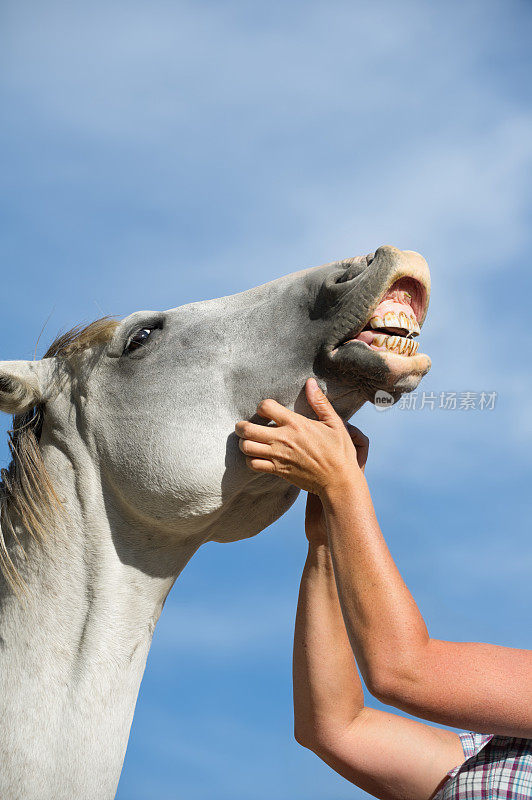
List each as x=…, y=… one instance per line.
x=164, y=152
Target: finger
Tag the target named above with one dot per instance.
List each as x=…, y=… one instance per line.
x=361, y=443
x=358, y=438
x=258, y=433
x=313, y=507
x=319, y=403
x=260, y=465
x=255, y=449
x=315, y=525
x=271, y=409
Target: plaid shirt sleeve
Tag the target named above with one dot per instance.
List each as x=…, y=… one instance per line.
x=472, y=743
x=494, y=767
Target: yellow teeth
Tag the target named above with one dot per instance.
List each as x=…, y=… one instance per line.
x=396, y=344
x=393, y=342
x=405, y=322
x=379, y=339
x=392, y=320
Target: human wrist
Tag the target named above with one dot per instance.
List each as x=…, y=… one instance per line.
x=318, y=544
x=342, y=484
x=319, y=554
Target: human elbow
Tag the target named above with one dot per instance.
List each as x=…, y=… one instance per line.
x=314, y=738
x=382, y=688
x=306, y=737
x=392, y=684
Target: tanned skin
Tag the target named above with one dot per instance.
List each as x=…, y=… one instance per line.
x=353, y=604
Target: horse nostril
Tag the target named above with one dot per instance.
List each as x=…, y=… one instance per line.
x=354, y=269
x=346, y=276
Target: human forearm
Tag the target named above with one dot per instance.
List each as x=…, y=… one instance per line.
x=385, y=754
x=384, y=624
x=327, y=689
x=468, y=685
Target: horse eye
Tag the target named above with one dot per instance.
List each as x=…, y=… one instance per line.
x=139, y=339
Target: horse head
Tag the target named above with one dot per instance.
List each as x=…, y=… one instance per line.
x=153, y=405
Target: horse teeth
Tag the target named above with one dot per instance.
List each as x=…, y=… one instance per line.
x=396, y=344
x=379, y=339
x=392, y=342
x=391, y=320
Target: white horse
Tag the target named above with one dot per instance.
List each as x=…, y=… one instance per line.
x=125, y=462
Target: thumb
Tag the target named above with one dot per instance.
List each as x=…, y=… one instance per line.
x=319, y=403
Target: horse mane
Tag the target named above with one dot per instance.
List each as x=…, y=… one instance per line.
x=27, y=495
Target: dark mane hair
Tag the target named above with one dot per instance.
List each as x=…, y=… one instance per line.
x=27, y=495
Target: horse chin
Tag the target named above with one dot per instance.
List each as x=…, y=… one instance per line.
x=405, y=372
x=356, y=372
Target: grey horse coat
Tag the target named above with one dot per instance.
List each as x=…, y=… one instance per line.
x=135, y=441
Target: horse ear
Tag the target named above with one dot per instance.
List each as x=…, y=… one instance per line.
x=24, y=384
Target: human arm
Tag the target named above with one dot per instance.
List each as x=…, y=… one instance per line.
x=386, y=755
x=468, y=685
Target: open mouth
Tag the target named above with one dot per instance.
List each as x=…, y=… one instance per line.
x=394, y=322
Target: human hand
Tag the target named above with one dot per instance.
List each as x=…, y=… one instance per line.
x=315, y=520
x=311, y=454
x=361, y=442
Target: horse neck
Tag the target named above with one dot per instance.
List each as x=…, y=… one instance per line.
x=73, y=649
